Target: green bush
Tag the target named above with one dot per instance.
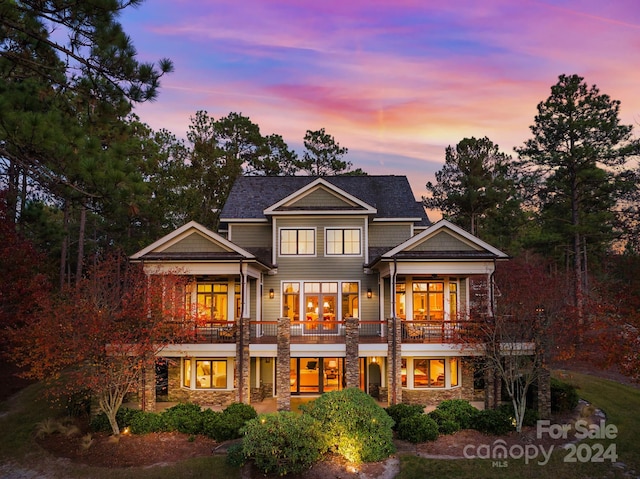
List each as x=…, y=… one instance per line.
x=284, y=443
x=564, y=397
x=459, y=411
x=185, y=418
x=445, y=421
x=359, y=429
x=235, y=455
x=419, y=428
x=124, y=416
x=146, y=422
x=493, y=421
x=399, y=411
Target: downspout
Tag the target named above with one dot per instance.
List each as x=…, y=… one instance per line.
x=241, y=337
x=394, y=369
x=492, y=289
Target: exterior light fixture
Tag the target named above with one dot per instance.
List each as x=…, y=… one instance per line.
x=369, y=293
x=271, y=294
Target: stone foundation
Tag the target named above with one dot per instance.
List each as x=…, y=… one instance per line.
x=433, y=397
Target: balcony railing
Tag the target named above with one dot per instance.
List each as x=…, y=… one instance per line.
x=266, y=332
x=216, y=332
x=440, y=331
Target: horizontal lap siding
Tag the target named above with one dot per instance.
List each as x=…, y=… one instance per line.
x=389, y=235
x=321, y=267
x=251, y=236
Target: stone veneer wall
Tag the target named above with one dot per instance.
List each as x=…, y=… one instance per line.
x=352, y=360
x=544, y=394
x=243, y=363
x=394, y=362
x=283, y=378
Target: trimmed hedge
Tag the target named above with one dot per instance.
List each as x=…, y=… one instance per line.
x=493, y=421
x=282, y=443
x=400, y=411
x=459, y=411
x=360, y=430
x=186, y=418
x=418, y=428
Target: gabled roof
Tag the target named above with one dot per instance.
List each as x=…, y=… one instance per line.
x=383, y=197
x=203, y=244
x=442, y=240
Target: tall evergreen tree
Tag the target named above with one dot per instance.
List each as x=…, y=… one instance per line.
x=577, y=158
x=323, y=155
x=477, y=188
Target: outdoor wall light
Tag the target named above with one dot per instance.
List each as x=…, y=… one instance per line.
x=369, y=293
x=271, y=294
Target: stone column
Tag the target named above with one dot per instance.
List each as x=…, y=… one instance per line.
x=544, y=394
x=243, y=361
x=394, y=361
x=147, y=396
x=352, y=358
x=492, y=388
x=283, y=365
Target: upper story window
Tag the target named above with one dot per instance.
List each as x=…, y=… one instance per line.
x=297, y=242
x=343, y=241
x=428, y=301
x=212, y=302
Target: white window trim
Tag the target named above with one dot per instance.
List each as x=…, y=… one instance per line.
x=298, y=228
x=342, y=228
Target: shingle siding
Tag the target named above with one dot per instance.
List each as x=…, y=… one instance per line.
x=251, y=236
x=388, y=234
x=442, y=242
x=195, y=243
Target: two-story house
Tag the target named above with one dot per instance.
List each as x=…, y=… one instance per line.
x=316, y=284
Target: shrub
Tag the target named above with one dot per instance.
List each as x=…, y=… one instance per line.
x=564, y=397
x=185, y=418
x=235, y=455
x=493, y=421
x=284, y=443
x=418, y=428
x=459, y=411
x=146, y=422
x=399, y=411
x=100, y=423
x=445, y=421
x=359, y=429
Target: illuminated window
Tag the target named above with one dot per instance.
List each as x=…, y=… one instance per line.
x=453, y=365
x=291, y=301
x=428, y=301
x=186, y=373
x=350, y=300
x=212, y=302
x=297, y=242
x=428, y=373
x=211, y=374
x=343, y=241
x=401, y=290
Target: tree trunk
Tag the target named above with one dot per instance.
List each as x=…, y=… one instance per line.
x=65, y=244
x=81, y=234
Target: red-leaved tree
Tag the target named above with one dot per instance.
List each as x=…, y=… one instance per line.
x=102, y=333
x=525, y=330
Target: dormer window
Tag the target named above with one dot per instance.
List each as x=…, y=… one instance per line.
x=343, y=241
x=298, y=242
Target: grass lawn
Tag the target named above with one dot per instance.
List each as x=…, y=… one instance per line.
x=621, y=405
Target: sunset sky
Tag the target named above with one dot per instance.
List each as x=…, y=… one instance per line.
x=395, y=81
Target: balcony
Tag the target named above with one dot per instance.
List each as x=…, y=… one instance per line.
x=215, y=332
x=317, y=332
x=440, y=331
